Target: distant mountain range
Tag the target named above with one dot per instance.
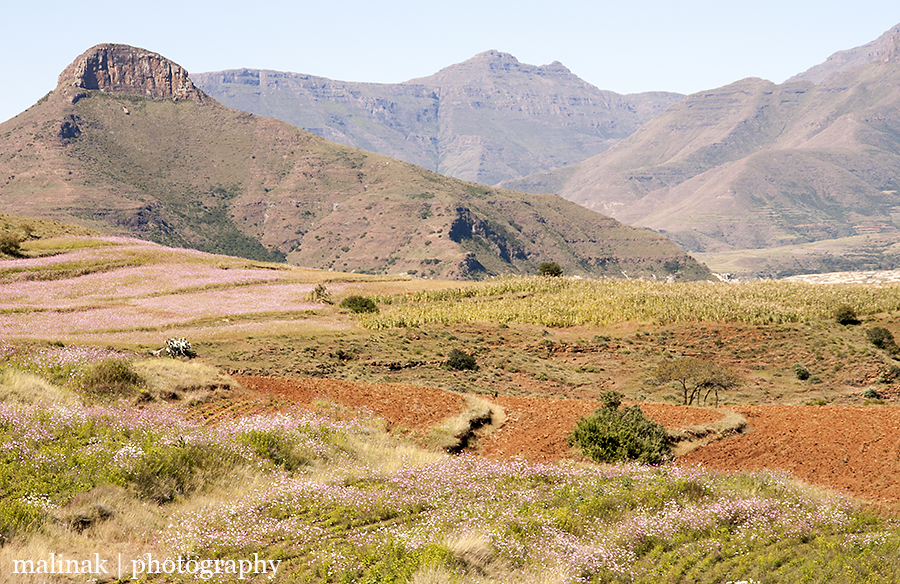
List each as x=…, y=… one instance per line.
x=757, y=166
x=128, y=144
x=485, y=120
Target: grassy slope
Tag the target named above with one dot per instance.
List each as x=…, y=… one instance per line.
x=336, y=500
x=544, y=337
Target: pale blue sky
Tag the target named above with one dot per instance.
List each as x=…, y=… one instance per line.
x=625, y=46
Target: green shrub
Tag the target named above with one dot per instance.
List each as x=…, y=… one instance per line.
x=359, y=304
x=871, y=393
x=844, y=314
x=276, y=447
x=619, y=435
x=883, y=339
x=460, y=361
x=611, y=399
x=112, y=377
x=10, y=245
x=550, y=269
x=801, y=371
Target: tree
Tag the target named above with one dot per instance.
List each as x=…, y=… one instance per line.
x=696, y=376
x=550, y=269
x=612, y=434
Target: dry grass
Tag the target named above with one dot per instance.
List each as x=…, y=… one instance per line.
x=693, y=437
x=24, y=387
x=464, y=431
x=173, y=379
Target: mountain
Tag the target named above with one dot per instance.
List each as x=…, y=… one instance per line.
x=843, y=60
x=485, y=120
x=757, y=165
x=127, y=144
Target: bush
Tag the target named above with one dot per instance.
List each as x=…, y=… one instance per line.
x=801, y=372
x=619, y=435
x=10, y=245
x=320, y=294
x=871, y=393
x=112, y=377
x=844, y=314
x=358, y=304
x=460, y=360
x=611, y=399
x=883, y=339
x=550, y=269
x=277, y=448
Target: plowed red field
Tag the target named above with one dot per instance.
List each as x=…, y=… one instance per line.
x=850, y=448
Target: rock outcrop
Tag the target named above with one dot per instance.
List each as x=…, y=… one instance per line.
x=124, y=69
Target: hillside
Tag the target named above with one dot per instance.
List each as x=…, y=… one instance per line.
x=755, y=165
x=126, y=144
x=485, y=120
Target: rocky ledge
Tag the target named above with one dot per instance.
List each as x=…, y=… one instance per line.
x=125, y=69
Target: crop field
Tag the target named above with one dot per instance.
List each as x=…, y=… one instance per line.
x=303, y=441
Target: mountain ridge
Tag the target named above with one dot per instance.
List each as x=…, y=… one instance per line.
x=756, y=165
x=488, y=118
x=194, y=173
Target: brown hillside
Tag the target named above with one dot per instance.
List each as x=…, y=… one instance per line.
x=756, y=165
x=126, y=144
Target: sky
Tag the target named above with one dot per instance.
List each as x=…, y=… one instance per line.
x=627, y=46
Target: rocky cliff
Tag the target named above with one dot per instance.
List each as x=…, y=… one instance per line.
x=124, y=69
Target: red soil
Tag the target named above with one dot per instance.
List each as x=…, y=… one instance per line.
x=403, y=407
x=850, y=448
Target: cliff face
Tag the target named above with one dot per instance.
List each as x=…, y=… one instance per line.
x=487, y=119
x=124, y=69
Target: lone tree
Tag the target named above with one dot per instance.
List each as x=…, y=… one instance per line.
x=696, y=378
x=550, y=269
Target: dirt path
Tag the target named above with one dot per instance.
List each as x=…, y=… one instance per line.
x=535, y=428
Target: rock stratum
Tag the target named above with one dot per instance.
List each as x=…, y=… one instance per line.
x=126, y=144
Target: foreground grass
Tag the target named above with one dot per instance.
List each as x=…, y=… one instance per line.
x=334, y=499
